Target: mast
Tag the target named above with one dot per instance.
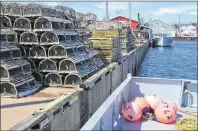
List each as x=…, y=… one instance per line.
x=150, y=29
x=179, y=24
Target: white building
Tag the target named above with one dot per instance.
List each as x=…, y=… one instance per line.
x=189, y=30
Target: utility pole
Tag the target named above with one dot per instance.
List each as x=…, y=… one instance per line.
x=107, y=11
x=117, y=12
x=107, y=14
x=130, y=14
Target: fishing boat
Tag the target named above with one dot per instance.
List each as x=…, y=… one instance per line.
x=162, y=33
x=182, y=92
x=162, y=41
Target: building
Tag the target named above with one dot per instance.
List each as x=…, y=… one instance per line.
x=160, y=28
x=126, y=21
x=188, y=30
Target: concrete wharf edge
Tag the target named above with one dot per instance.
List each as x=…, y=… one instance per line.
x=72, y=110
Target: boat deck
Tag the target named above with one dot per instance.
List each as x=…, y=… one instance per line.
x=108, y=116
x=16, y=110
x=148, y=124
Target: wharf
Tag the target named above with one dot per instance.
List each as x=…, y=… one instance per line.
x=16, y=110
x=65, y=108
x=185, y=38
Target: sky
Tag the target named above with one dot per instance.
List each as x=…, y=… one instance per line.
x=168, y=12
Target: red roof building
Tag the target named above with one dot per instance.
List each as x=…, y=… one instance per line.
x=126, y=20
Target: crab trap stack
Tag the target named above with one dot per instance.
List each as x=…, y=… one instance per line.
x=16, y=76
x=49, y=41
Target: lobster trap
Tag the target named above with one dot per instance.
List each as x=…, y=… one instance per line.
x=12, y=9
x=36, y=10
x=29, y=38
x=9, y=52
x=22, y=24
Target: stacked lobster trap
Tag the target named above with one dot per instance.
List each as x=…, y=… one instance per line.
x=50, y=44
x=16, y=76
x=106, y=38
x=126, y=39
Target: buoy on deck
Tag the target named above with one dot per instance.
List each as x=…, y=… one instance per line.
x=153, y=100
x=165, y=113
x=144, y=105
x=132, y=111
x=174, y=105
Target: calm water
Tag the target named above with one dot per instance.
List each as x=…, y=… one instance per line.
x=177, y=62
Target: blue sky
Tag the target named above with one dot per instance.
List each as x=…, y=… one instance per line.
x=165, y=11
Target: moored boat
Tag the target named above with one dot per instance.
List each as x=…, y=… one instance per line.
x=163, y=41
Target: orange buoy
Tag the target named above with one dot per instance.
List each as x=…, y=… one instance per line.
x=165, y=113
x=144, y=105
x=153, y=100
x=174, y=105
x=132, y=111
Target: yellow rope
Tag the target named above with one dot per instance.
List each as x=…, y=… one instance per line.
x=183, y=124
x=187, y=124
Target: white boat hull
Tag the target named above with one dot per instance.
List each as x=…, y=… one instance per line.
x=163, y=41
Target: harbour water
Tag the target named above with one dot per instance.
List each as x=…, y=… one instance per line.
x=176, y=62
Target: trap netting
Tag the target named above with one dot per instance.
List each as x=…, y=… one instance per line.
x=29, y=38
x=22, y=24
x=12, y=9
x=47, y=65
x=33, y=10
x=53, y=79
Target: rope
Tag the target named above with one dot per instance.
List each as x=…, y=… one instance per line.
x=149, y=116
x=192, y=114
x=187, y=124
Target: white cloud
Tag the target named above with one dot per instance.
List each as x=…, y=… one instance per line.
x=117, y=5
x=193, y=13
x=175, y=10
x=156, y=13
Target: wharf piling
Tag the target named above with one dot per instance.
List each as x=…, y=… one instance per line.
x=185, y=38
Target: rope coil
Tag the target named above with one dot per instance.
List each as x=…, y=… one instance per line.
x=187, y=124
